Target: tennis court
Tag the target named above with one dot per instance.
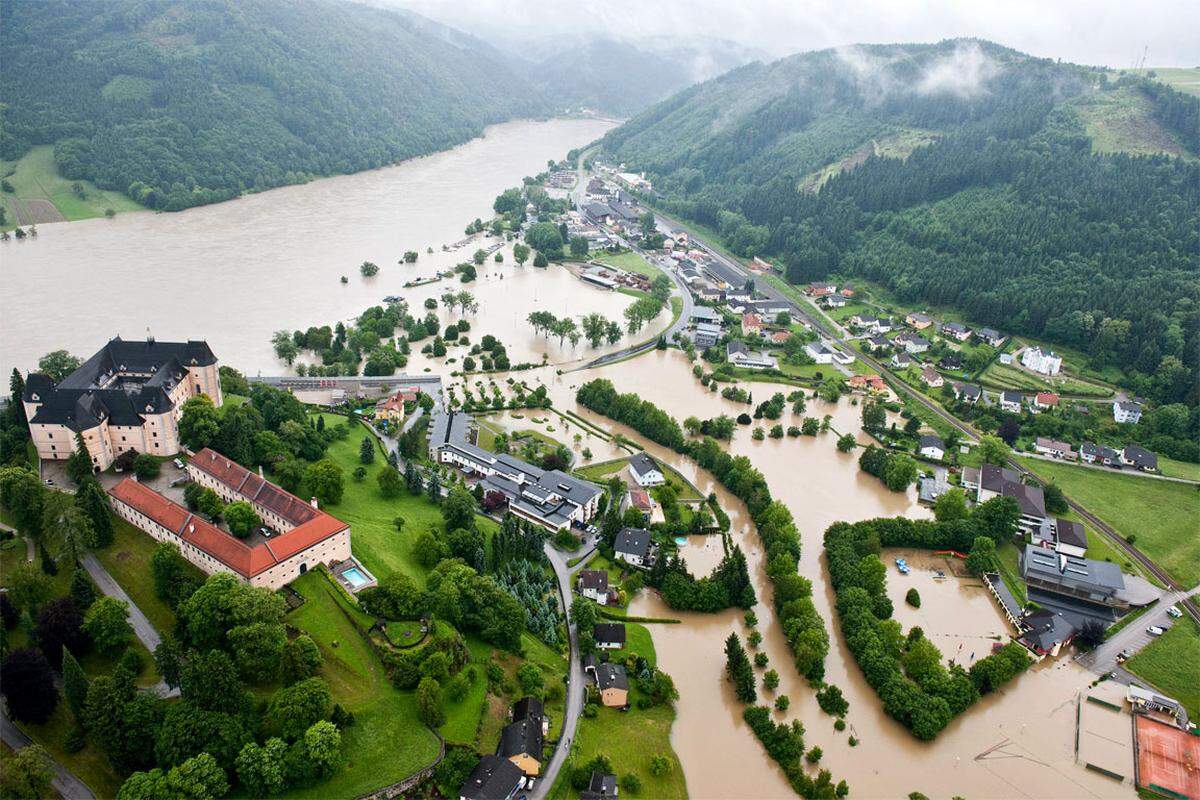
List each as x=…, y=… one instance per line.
x=1168, y=759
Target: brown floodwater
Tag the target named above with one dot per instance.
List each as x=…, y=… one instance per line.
x=1019, y=742
x=235, y=272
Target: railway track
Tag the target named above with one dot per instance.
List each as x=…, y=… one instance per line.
x=1189, y=604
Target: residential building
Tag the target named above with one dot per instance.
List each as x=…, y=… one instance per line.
x=303, y=535
x=1056, y=449
x=918, y=321
x=967, y=393
x=991, y=481
x=1010, y=401
x=522, y=741
x=820, y=289
x=1137, y=456
x=705, y=314
x=599, y=213
x=869, y=383
x=951, y=362
x=737, y=354
x=610, y=635
x=593, y=584
x=601, y=787
x=956, y=331
x=879, y=342
x=990, y=336
x=883, y=325
x=931, y=446
x=1041, y=361
x=1090, y=453
x=705, y=335
x=391, y=408
x=915, y=345
x=861, y=320
x=129, y=396
x=1044, y=401
x=1127, y=411
x=751, y=325
x=901, y=360
x=931, y=377
x=612, y=682
x=494, y=778
x=1070, y=538
x=1006, y=358
x=634, y=547
x=641, y=500
x=819, y=353
x=645, y=470
x=549, y=498
x=834, y=301
x=1045, y=632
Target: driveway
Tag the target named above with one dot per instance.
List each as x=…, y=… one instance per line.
x=64, y=782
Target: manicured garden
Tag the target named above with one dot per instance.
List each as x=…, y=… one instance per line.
x=630, y=261
x=1170, y=662
x=1159, y=517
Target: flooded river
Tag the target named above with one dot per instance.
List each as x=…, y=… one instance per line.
x=235, y=272
x=1016, y=743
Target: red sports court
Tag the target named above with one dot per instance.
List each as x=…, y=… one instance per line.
x=1168, y=758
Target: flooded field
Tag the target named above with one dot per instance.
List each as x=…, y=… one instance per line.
x=235, y=272
x=1016, y=743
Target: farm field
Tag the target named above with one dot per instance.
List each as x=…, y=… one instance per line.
x=1010, y=376
x=1169, y=662
x=1185, y=79
x=387, y=741
x=376, y=542
x=41, y=194
x=1160, y=516
x=1179, y=469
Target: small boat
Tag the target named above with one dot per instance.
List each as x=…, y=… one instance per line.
x=938, y=575
x=902, y=566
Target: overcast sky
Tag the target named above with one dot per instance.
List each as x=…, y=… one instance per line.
x=1108, y=32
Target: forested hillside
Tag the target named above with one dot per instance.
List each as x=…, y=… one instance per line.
x=183, y=103
x=1004, y=207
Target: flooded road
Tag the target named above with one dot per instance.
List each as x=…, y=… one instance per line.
x=1018, y=742
x=235, y=272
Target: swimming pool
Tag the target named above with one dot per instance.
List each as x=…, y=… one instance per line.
x=355, y=578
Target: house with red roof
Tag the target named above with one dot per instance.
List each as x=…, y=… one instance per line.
x=302, y=535
x=1044, y=401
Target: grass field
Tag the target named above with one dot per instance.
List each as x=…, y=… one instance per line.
x=387, y=741
x=375, y=540
x=127, y=559
x=1184, y=79
x=1010, y=376
x=1159, y=515
x=601, y=471
x=35, y=177
x=1169, y=662
x=1179, y=469
x=637, y=641
x=630, y=262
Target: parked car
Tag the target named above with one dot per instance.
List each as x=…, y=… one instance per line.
x=1174, y=612
x=178, y=463
x=1155, y=630
x=1124, y=655
x=266, y=532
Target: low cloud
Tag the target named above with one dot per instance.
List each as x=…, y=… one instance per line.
x=964, y=73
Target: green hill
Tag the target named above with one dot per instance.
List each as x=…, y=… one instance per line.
x=959, y=174
x=179, y=104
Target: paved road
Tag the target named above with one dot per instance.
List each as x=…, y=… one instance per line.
x=64, y=782
x=575, y=678
x=1132, y=637
x=1137, y=473
x=145, y=632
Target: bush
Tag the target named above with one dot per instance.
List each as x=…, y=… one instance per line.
x=913, y=597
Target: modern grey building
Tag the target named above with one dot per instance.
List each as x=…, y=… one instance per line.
x=550, y=498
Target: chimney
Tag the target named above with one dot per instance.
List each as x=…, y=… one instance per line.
x=191, y=527
x=314, y=503
x=260, y=472
x=134, y=478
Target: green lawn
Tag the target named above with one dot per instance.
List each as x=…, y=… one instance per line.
x=492, y=714
x=629, y=739
x=1169, y=662
x=601, y=471
x=630, y=262
x=375, y=540
x=387, y=741
x=127, y=559
x=35, y=176
x=1010, y=376
x=1161, y=516
x=637, y=640
x=1179, y=469
x=1009, y=562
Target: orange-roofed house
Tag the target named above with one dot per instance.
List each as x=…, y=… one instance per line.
x=751, y=324
x=303, y=535
x=868, y=383
x=1044, y=401
x=391, y=407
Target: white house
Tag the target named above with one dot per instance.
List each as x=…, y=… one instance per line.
x=610, y=635
x=593, y=584
x=1127, y=411
x=1041, y=361
x=819, y=353
x=931, y=377
x=932, y=447
x=954, y=330
x=901, y=360
x=633, y=547
x=916, y=344
x=737, y=354
x=645, y=470
x=1010, y=402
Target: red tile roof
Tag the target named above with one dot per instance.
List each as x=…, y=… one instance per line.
x=1047, y=399
x=232, y=552
x=251, y=486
